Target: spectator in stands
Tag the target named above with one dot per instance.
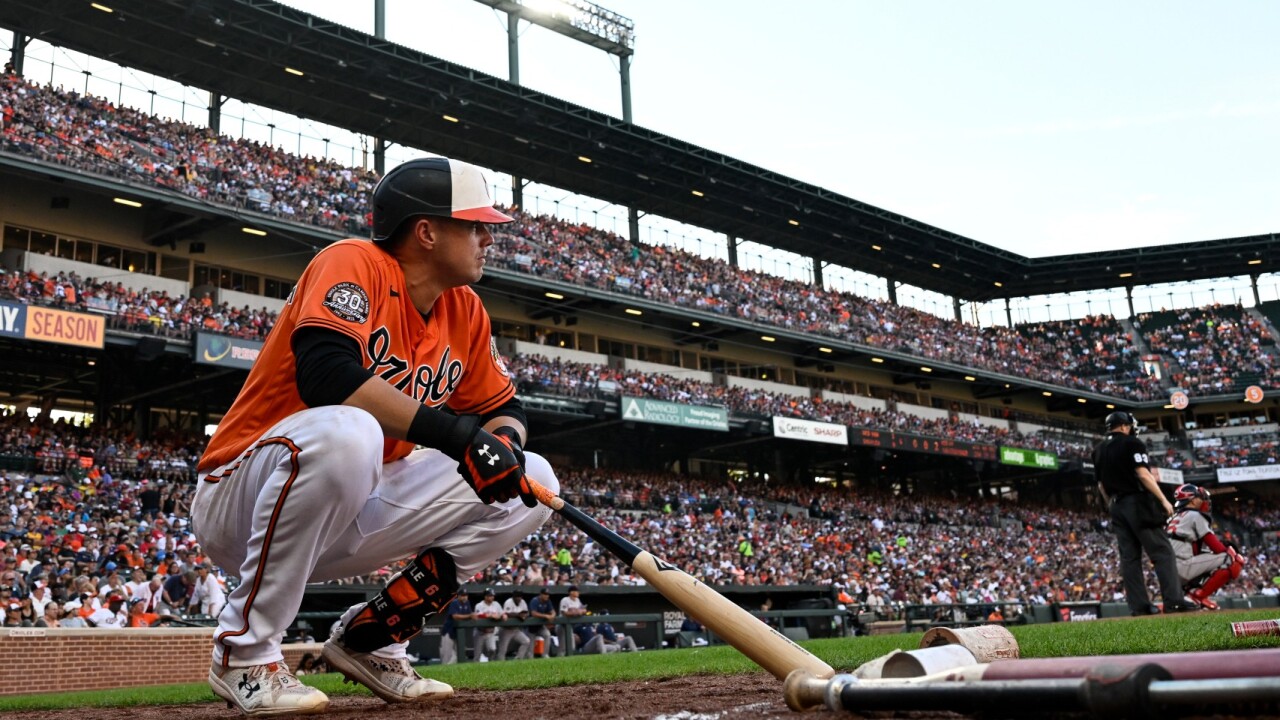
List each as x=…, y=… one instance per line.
x=208, y=595
x=111, y=615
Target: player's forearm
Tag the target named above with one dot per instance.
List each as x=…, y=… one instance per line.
x=392, y=409
x=1212, y=542
x=403, y=418
x=510, y=422
x=1148, y=480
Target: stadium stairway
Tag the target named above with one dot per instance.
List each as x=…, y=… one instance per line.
x=1139, y=342
x=1269, y=323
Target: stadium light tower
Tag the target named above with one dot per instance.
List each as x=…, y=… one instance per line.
x=585, y=22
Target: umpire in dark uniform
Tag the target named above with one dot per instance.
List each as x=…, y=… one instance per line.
x=1138, y=512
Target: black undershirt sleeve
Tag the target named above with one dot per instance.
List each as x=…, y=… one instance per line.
x=328, y=366
x=511, y=408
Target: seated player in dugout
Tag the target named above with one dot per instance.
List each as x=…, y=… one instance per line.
x=313, y=473
x=1205, y=563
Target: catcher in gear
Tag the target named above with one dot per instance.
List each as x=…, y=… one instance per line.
x=1205, y=563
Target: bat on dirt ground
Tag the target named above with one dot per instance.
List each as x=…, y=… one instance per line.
x=767, y=647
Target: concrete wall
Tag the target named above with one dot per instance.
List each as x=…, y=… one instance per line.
x=133, y=281
x=858, y=401
x=767, y=386
x=927, y=413
x=984, y=420
x=238, y=299
x=672, y=370
x=511, y=348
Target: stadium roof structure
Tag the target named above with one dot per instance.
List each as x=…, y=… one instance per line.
x=265, y=53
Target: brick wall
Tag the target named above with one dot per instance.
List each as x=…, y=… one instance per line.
x=39, y=660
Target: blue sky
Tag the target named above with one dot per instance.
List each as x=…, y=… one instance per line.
x=1038, y=128
x=1035, y=127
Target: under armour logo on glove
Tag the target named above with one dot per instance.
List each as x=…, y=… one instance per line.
x=484, y=452
x=494, y=472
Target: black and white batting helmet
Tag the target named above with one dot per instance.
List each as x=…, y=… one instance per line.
x=1120, y=417
x=434, y=186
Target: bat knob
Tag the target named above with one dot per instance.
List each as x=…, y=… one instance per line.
x=803, y=690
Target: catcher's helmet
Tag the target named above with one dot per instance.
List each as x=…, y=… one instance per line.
x=1187, y=492
x=431, y=186
x=1120, y=417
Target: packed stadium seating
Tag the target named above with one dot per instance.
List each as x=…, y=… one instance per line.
x=538, y=374
x=74, y=525
x=92, y=134
x=1217, y=348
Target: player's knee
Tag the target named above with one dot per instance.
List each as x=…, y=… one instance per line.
x=539, y=469
x=350, y=438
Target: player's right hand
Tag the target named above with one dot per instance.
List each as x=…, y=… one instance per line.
x=491, y=469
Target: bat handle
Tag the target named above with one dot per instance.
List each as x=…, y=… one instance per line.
x=544, y=496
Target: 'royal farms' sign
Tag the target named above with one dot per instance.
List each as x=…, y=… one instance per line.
x=669, y=413
x=1028, y=458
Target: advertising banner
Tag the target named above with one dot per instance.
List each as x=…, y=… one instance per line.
x=813, y=431
x=1247, y=473
x=46, y=324
x=226, y=351
x=1028, y=458
x=660, y=412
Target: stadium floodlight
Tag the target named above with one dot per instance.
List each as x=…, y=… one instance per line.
x=581, y=20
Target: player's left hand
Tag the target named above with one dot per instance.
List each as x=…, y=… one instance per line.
x=493, y=472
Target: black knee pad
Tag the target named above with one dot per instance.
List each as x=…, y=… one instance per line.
x=397, y=613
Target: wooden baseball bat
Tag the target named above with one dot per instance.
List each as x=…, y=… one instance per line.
x=767, y=647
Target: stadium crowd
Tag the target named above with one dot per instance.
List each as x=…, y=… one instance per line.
x=107, y=517
x=94, y=135
x=143, y=311
x=1216, y=349
x=535, y=373
x=881, y=548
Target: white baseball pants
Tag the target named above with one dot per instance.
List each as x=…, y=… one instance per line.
x=312, y=501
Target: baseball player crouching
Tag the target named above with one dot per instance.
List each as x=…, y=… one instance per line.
x=313, y=473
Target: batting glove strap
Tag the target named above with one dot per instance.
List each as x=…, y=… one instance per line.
x=511, y=436
x=451, y=434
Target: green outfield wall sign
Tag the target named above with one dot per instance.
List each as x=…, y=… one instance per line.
x=669, y=413
x=1028, y=458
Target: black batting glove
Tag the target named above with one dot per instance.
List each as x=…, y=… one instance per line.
x=491, y=469
x=511, y=437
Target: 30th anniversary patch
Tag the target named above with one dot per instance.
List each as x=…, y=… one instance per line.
x=348, y=301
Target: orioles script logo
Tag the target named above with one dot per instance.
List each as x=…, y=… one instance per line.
x=430, y=385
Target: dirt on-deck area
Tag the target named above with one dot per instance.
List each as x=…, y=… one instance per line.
x=735, y=697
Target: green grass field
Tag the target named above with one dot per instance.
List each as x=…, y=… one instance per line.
x=1176, y=633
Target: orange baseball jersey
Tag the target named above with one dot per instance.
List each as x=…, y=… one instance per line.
x=357, y=289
